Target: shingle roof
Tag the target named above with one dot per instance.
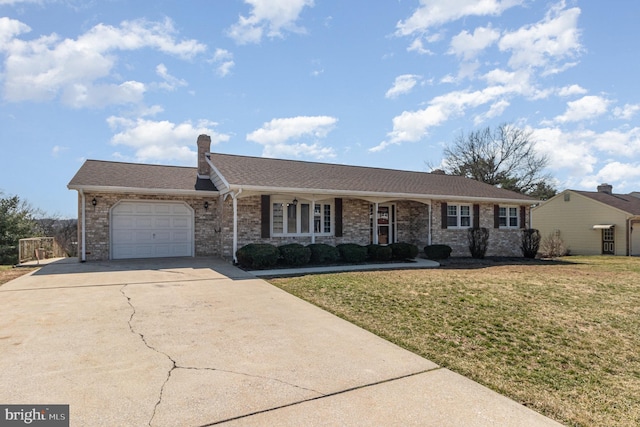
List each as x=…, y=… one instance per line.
x=273, y=174
x=98, y=173
x=291, y=174
x=624, y=202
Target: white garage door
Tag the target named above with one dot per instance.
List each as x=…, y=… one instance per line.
x=151, y=230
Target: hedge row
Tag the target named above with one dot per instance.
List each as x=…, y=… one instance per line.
x=259, y=256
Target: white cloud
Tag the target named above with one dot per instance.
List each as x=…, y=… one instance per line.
x=403, y=84
x=627, y=112
x=417, y=46
x=270, y=16
x=433, y=13
x=411, y=126
x=10, y=28
x=79, y=95
x=585, y=108
x=617, y=142
x=170, y=82
x=623, y=176
x=162, y=141
x=567, y=152
x=545, y=43
x=43, y=68
x=277, y=134
x=572, y=90
x=496, y=109
x=57, y=149
x=468, y=46
x=223, y=60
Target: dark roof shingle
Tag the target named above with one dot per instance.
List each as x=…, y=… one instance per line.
x=263, y=172
x=624, y=202
x=100, y=173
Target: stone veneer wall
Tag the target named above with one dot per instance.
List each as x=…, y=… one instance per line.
x=502, y=242
x=206, y=222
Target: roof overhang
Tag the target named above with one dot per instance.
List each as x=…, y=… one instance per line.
x=249, y=190
x=603, y=226
x=136, y=190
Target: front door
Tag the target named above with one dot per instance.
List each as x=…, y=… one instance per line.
x=386, y=225
x=608, y=242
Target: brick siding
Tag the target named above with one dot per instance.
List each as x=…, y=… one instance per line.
x=98, y=237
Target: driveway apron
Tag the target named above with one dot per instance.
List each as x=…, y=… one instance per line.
x=195, y=342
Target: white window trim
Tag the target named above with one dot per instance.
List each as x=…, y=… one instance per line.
x=459, y=217
x=312, y=204
x=517, y=216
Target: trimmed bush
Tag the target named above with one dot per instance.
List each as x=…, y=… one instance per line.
x=258, y=256
x=530, y=243
x=438, y=251
x=321, y=253
x=379, y=252
x=352, y=252
x=402, y=251
x=478, y=242
x=294, y=254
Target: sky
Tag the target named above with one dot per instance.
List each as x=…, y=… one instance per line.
x=372, y=83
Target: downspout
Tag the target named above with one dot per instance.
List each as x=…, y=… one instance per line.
x=83, y=232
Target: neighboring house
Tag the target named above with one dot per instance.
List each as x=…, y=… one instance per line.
x=592, y=223
x=128, y=210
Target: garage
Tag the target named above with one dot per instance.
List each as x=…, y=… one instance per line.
x=149, y=229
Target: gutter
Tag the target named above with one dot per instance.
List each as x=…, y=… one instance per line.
x=133, y=190
x=363, y=194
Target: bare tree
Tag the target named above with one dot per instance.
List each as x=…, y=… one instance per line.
x=504, y=157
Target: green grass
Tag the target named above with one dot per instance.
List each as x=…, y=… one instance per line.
x=560, y=337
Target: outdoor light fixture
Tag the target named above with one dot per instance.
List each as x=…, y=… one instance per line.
x=206, y=205
x=295, y=202
x=94, y=202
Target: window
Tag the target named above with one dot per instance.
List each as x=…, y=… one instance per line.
x=508, y=217
x=458, y=216
x=297, y=219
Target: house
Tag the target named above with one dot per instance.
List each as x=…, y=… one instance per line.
x=128, y=210
x=592, y=223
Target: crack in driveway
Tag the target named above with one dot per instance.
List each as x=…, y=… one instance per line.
x=174, y=364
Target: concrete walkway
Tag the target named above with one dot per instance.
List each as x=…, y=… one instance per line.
x=418, y=263
x=198, y=342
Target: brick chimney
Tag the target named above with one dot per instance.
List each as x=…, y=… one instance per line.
x=204, y=146
x=605, y=188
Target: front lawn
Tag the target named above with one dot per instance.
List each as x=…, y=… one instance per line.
x=8, y=273
x=560, y=337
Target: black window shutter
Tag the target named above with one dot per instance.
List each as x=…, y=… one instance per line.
x=265, y=216
x=338, y=221
x=523, y=216
x=476, y=216
x=496, y=216
x=443, y=206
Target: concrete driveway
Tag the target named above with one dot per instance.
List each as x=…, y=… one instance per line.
x=197, y=342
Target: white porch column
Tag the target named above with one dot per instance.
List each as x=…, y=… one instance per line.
x=429, y=231
x=234, y=197
x=235, y=228
x=375, y=223
x=313, y=221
